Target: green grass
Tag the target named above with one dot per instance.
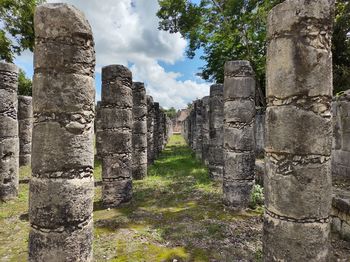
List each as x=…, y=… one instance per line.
x=176, y=213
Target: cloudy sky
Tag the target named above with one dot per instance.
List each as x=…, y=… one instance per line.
x=126, y=33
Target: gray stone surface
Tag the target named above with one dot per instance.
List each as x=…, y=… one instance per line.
x=239, y=141
x=156, y=130
x=25, y=128
x=259, y=131
x=205, y=130
x=115, y=136
x=9, y=143
x=298, y=132
x=341, y=139
x=150, y=129
x=139, y=132
x=62, y=187
x=216, y=136
x=199, y=125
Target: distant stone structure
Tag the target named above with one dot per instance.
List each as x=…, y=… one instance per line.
x=116, y=135
x=259, y=130
x=205, y=130
x=216, y=136
x=9, y=143
x=199, y=124
x=61, y=189
x=298, y=132
x=239, y=142
x=156, y=137
x=150, y=130
x=341, y=141
x=25, y=126
x=139, y=131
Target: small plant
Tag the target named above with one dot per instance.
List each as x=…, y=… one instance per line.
x=257, y=196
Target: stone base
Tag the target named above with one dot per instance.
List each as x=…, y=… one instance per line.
x=116, y=192
x=290, y=241
x=236, y=193
x=341, y=214
x=69, y=245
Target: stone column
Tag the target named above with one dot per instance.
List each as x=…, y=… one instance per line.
x=161, y=130
x=298, y=131
x=216, y=135
x=116, y=135
x=25, y=126
x=156, y=130
x=98, y=125
x=239, y=142
x=9, y=144
x=199, y=125
x=62, y=187
x=205, y=129
x=139, y=132
x=150, y=129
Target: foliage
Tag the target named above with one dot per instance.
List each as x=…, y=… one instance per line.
x=171, y=112
x=341, y=46
x=236, y=30
x=257, y=196
x=225, y=30
x=24, y=84
x=17, y=32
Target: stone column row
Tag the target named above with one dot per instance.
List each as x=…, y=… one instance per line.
x=139, y=131
x=25, y=126
x=9, y=143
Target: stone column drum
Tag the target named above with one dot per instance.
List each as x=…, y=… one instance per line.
x=139, y=132
x=150, y=128
x=116, y=135
x=199, y=125
x=62, y=186
x=9, y=143
x=298, y=132
x=156, y=130
x=216, y=136
x=239, y=143
x=25, y=126
x=205, y=129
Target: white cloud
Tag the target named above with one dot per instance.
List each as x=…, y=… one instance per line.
x=126, y=32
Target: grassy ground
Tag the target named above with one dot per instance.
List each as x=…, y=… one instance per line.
x=176, y=213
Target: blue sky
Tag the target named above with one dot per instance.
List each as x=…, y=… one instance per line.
x=127, y=34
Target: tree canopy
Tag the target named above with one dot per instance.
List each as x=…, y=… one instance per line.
x=16, y=27
x=24, y=84
x=236, y=30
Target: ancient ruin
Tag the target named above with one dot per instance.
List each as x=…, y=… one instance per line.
x=298, y=132
x=216, y=136
x=25, y=127
x=116, y=135
x=139, y=131
x=205, y=130
x=9, y=144
x=62, y=185
x=239, y=142
x=150, y=129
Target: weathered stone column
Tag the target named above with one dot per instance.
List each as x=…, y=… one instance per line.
x=298, y=131
x=239, y=142
x=116, y=135
x=62, y=187
x=205, y=130
x=98, y=126
x=156, y=130
x=150, y=129
x=139, y=132
x=161, y=130
x=9, y=144
x=216, y=136
x=25, y=128
x=199, y=125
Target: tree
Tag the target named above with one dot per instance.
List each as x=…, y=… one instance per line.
x=236, y=30
x=341, y=46
x=224, y=29
x=17, y=32
x=171, y=112
x=24, y=84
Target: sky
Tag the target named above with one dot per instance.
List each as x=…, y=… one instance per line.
x=126, y=32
